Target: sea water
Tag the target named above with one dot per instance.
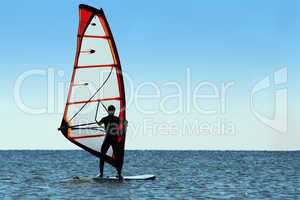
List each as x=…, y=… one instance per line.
x=180, y=175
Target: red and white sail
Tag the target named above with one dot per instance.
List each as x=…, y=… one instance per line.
x=96, y=83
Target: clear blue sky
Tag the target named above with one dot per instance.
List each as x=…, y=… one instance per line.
x=218, y=41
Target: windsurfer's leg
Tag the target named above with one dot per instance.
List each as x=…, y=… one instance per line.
x=121, y=152
x=104, y=149
x=116, y=151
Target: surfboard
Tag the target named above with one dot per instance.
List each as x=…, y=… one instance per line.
x=126, y=178
x=136, y=177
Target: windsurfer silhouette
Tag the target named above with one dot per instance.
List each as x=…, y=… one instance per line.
x=111, y=125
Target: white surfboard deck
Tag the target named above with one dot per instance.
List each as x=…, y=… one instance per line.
x=98, y=178
x=137, y=177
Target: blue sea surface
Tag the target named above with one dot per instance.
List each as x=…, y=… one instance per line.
x=180, y=175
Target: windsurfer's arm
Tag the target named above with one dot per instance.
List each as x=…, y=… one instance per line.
x=101, y=122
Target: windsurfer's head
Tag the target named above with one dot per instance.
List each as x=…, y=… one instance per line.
x=111, y=109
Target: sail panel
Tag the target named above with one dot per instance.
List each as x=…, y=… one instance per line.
x=88, y=112
x=94, y=51
x=88, y=80
x=95, y=27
